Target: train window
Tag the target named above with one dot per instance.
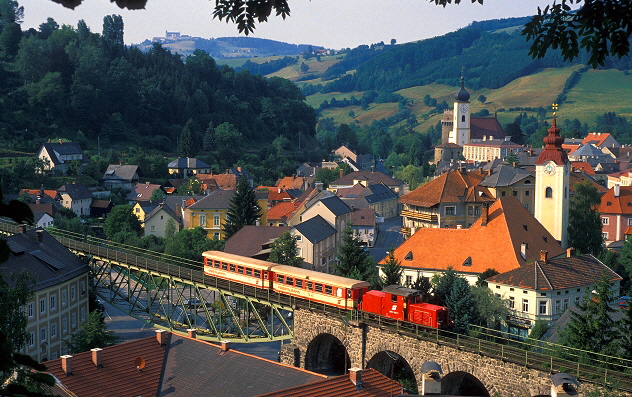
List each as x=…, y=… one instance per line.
x=240, y=269
x=289, y=281
x=393, y=298
x=217, y=264
x=299, y=283
x=281, y=279
x=232, y=268
x=224, y=266
x=310, y=285
x=248, y=272
x=265, y=275
x=328, y=289
x=319, y=288
x=348, y=293
x=257, y=273
x=339, y=292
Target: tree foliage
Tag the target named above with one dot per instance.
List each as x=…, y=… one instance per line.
x=190, y=243
x=92, y=334
x=353, y=261
x=391, y=270
x=461, y=304
x=584, y=221
x=243, y=208
x=121, y=220
x=283, y=251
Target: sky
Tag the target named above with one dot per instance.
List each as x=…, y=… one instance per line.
x=329, y=23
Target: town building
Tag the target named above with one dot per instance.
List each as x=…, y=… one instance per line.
x=76, y=197
x=185, y=167
x=616, y=213
x=506, y=180
x=58, y=156
x=254, y=241
x=60, y=294
x=545, y=288
x=364, y=226
x=382, y=200
x=490, y=149
x=121, y=176
x=210, y=213
x=366, y=178
x=141, y=192
x=316, y=243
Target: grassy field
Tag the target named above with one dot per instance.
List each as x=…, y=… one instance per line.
x=597, y=92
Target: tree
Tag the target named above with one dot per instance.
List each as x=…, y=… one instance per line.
x=121, y=219
x=461, y=304
x=491, y=309
x=283, y=251
x=480, y=282
x=482, y=98
x=157, y=195
x=591, y=326
x=423, y=285
x=243, y=208
x=353, y=261
x=192, y=187
x=442, y=284
x=92, y=334
x=625, y=333
x=190, y=243
x=515, y=132
x=584, y=222
x=391, y=270
x=185, y=143
x=113, y=29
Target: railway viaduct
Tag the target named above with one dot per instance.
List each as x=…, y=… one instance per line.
x=324, y=343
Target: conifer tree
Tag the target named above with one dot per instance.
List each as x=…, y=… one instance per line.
x=353, y=261
x=243, y=209
x=625, y=333
x=391, y=271
x=185, y=142
x=93, y=334
x=460, y=303
x=283, y=251
x=584, y=222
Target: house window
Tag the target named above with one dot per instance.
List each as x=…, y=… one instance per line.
x=526, y=206
x=604, y=220
x=548, y=193
x=73, y=293
x=409, y=280
x=558, y=306
x=64, y=325
x=42, y=306
x=32, y=339
x=515, y=193
x=83, y=287
x=527, y=192
x=83, y=314
x=565, y=306
x=43, y=334
x=73, y=320
x=152, y=228
x=216, y=220
x=542, y=307
x=202, y=219
x=53, y=330
x=299, y=237
x=512, y=302
x=470, y=210
x=477, y=211
x=451, y=210
x=63, y=297
x=629, y=221
x=525, y=305
x=53, y=303
x=604, y=235
x=30, y=309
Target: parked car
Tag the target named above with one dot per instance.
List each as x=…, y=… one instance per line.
x=624, y=301
x=194, y=302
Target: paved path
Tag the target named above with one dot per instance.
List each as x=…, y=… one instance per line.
x=388, y=237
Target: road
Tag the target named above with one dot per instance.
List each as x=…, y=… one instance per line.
x=388, y=237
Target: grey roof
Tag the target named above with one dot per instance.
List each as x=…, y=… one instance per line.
x=121, y=172
x=378, y=193
x=505, y=175
x=249, y=240
x=187, y=162
x=372, y=177
x=335, y=205
x=587, y=150
x=37, y=216
x=76, y=191
x=315, y=229
x=217, y=199
x=49, y=262
x=63, y=148
x=164, y=207
x=174, y=201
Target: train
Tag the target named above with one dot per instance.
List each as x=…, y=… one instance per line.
x=393, y=301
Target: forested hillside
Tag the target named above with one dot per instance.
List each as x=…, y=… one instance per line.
x=61, y=82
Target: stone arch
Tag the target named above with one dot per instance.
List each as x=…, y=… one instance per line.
x=460, y=383
x=327, y=355
x=396, y=367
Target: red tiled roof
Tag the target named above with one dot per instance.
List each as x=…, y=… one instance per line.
x=583, y=166
x=373, y=384
x=346, y=191
x=118, y=375
x=450, y=187
x=290, y=182
x=617, y=205
x=363, y=217
x=50, y=193
x=222, y=181
x=496, y=245
x=553, y=150
x=596, y=138
x=281, y=211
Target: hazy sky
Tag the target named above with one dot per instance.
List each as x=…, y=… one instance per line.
x=329, y=23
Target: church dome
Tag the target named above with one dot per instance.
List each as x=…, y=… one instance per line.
x=462, y=95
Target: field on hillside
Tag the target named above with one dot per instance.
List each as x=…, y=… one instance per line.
x=293, y=72
x=237, y=62
x=597, y=92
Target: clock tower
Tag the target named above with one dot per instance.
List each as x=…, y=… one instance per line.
x=460, y=133
x=552, y=173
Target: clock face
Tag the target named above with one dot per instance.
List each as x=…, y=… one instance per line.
x=463, y=108
x=549, y=168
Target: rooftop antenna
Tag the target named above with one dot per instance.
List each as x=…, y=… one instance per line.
x=139, y=363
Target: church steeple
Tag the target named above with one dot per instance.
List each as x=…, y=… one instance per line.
x=553, y=150
x=462, y=95
x=460, y=133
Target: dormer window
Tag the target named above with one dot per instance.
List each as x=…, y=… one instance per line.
x=608, y=203
x=409, y=256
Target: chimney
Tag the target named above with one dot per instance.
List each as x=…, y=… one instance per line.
x=225, y=344
x=60, y=142
x=96, y=357
x=355, y=376
x=22, y=229
x=570, y=252
x=489, y=172
x=279, y=190
x=544, y=255
x=239, y=169
x=39, y=234
x=161, y=337
x=66, y=364
x=341, y=173
x=459, y=227
x=617, y=190
x=485, y=214
x=431, y=379
x=192, y=333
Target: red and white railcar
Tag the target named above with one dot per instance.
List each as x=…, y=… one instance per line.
x=238, y=268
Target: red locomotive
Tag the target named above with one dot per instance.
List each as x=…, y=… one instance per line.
x=393, y=301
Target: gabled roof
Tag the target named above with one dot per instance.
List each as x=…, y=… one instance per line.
x=363, y=217
x=120, y=172
x=583, y=166
x=101, y=204
x=38, y=192
x=219, y=199
x=281, y=211
x=315, y=229
x=617, y=205
x=450, y=187
x=142, y=191
x=48, y=261
x=371, y=177
x=486, y=126
x=556, y=274
x=496, y=245
x=506, y=175
x=335, y=205
x=291, y=182
x=249, y=239
x=76, y=191
x=162, y=207
x=374, y=384
x=588, y=150
x=378, y=193
x=61, y=149
x=187, y=163
x=218, y=181
x=596, y=138
x=350, y=192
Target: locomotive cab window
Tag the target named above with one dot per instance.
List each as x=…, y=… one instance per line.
x=393, y=298
x=328, y=289
x=348, y=293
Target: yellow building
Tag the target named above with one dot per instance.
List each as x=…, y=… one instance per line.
x=210, y=213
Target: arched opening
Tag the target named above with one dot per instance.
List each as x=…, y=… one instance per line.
x=461, y=383
x=548, y=192
x=395, y=367
x=327, y=355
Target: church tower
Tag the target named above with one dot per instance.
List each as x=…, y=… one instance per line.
x=460, y=133
x=552, y=173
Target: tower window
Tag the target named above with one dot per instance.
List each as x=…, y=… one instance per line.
x=548, y=193
x=463, y=119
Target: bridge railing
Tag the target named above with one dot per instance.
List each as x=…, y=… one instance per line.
x=594, y=367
